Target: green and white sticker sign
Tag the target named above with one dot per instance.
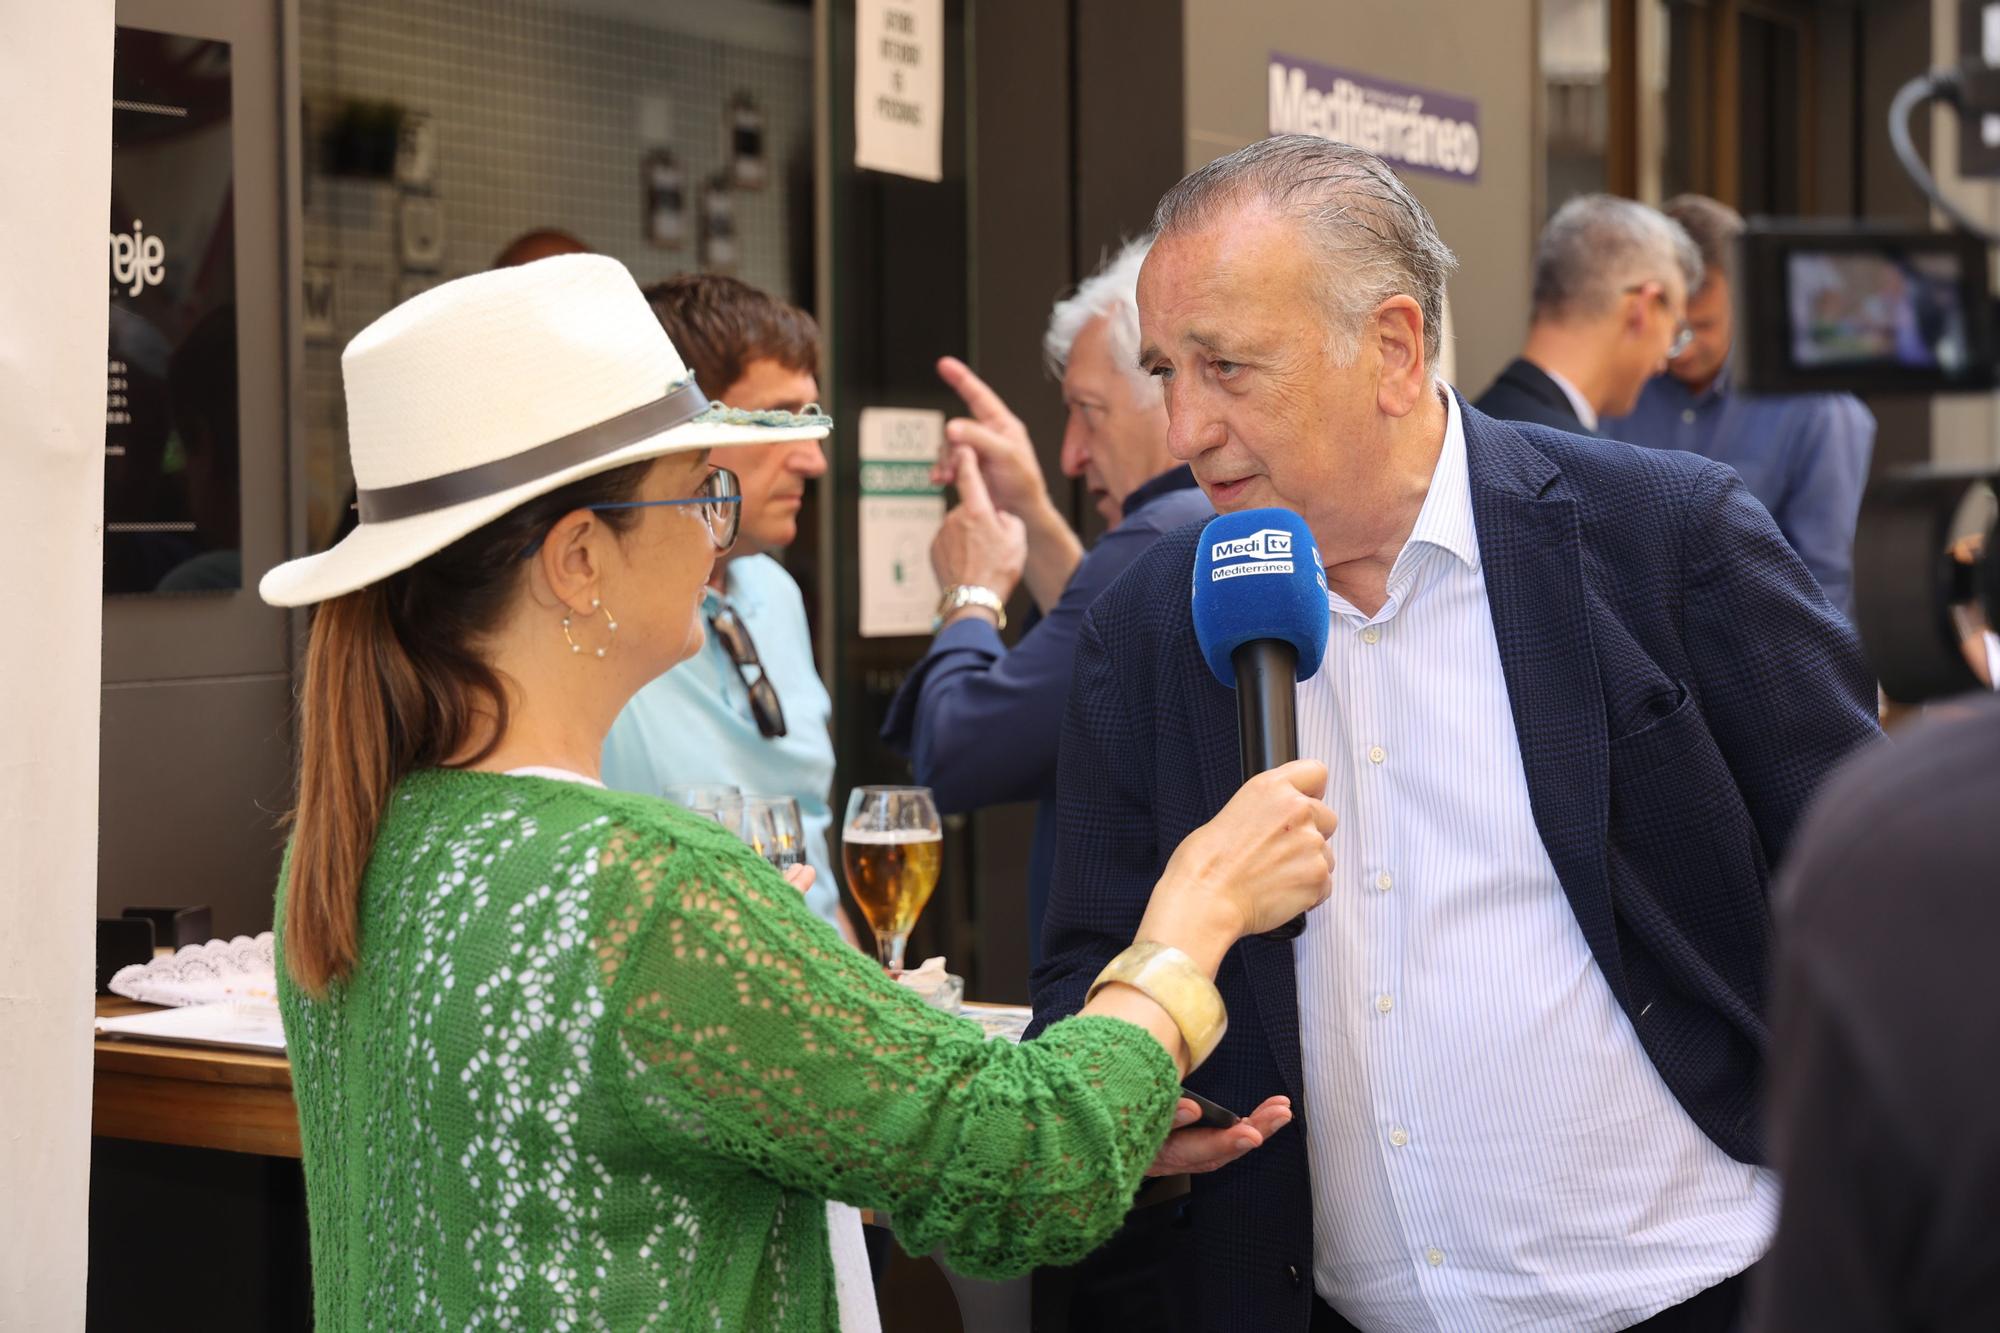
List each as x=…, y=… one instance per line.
x=900, y=514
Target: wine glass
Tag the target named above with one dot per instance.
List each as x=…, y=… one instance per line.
x=893, y=847
x=720, y=801
x=774, y=829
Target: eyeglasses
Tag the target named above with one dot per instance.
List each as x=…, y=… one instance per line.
x=1683, y=335
x=720, y=499
x=734, y=636
x=721, y=508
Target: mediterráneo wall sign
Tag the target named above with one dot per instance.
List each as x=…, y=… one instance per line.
x=1416, y=128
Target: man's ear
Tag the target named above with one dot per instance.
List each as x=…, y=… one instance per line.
x=1636, y=306
x=1399, y=337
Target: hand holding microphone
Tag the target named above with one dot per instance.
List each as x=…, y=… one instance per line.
x=1262, y=861
x=1260, y=614
x=1264, y=858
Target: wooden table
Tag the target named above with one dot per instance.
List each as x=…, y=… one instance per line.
x=194, y=1096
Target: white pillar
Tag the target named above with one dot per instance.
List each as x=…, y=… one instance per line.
x=55, y=204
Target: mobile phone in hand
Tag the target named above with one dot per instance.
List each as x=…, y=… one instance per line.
x=1213, y=1114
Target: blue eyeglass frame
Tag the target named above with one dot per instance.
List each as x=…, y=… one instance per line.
x=711, y=480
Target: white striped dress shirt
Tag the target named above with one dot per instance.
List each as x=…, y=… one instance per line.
x=1491, y=1147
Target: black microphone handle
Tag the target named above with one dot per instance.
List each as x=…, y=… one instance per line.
x=1267, y=722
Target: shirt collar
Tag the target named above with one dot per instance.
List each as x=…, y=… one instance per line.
x=1666, y=391
x=1577, y=402
x=735, y=592
x=1173, y=479
x=1445, y=521
x=1719, y=387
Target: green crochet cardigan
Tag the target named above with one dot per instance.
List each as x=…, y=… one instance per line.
x=599, y=1067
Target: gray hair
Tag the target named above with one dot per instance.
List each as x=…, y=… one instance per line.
x=1112, y=294
x=1598, y=245
x=1714, y=227
x=1374, y=240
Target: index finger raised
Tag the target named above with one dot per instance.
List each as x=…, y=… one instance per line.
x=971, y=483
x=979, y=398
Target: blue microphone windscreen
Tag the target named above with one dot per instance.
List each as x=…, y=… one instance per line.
x=1257, y=575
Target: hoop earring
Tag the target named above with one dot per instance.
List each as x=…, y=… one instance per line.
x=609, y=623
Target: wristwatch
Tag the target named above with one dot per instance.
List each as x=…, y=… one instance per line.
x=970, y=594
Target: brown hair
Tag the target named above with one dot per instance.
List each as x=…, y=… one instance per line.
x=393, y=683
x=720, y=325
x=544, y=243
x=1712, y=224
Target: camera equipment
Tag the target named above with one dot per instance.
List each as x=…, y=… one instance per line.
x=1863, y=310
x=1919, y=582
x=1823, y=307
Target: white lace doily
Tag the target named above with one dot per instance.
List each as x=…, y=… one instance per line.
x=243, y=970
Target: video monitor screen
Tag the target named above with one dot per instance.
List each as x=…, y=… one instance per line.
x=1823, y=307
x=1877, y=309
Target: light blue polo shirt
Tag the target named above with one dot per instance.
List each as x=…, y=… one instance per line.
x=694, y=724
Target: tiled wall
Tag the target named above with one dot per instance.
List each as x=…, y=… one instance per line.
x=539, y=114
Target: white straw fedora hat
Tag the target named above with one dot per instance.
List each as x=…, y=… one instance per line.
x=480, y=394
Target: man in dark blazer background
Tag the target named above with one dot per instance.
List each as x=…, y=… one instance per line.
x=1612, y=279
x=1575, y=697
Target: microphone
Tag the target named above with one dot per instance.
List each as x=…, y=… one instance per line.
x=1261, y=617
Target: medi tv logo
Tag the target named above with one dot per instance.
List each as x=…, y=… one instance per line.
x=1266, y=551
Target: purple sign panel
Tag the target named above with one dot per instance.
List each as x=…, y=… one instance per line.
x=1414, y=128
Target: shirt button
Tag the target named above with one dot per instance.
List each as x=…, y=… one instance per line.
x=1292, y=1271
x=1687, y=415
x=1383, y=882
x=1371, y=635
x=1434, y=1257
x=1377, y=755
x=1399, y=1137
x=1383, y=1004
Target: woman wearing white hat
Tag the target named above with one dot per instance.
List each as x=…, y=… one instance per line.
x=570, y=1058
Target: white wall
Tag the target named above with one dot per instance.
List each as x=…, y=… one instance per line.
x=55, y=99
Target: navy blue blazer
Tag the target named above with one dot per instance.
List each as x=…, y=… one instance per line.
x=1679, y=687
x=1524, y=392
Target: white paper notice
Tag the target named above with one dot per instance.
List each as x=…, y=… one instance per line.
x=899, y=87
x=900, y=514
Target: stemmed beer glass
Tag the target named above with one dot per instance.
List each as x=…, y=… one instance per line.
x=893, y=847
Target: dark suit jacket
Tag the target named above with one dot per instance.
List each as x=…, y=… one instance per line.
x=1679, y=687
x=1524, y=392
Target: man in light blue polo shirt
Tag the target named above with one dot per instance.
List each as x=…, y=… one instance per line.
x=748, y=709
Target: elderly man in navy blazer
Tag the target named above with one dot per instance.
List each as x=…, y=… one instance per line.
x=1575, y=698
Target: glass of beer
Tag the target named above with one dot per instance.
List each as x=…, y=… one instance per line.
x=893, y=847
x=774, y=830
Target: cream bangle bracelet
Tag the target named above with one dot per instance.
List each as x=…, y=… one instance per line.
x=1170, y=979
